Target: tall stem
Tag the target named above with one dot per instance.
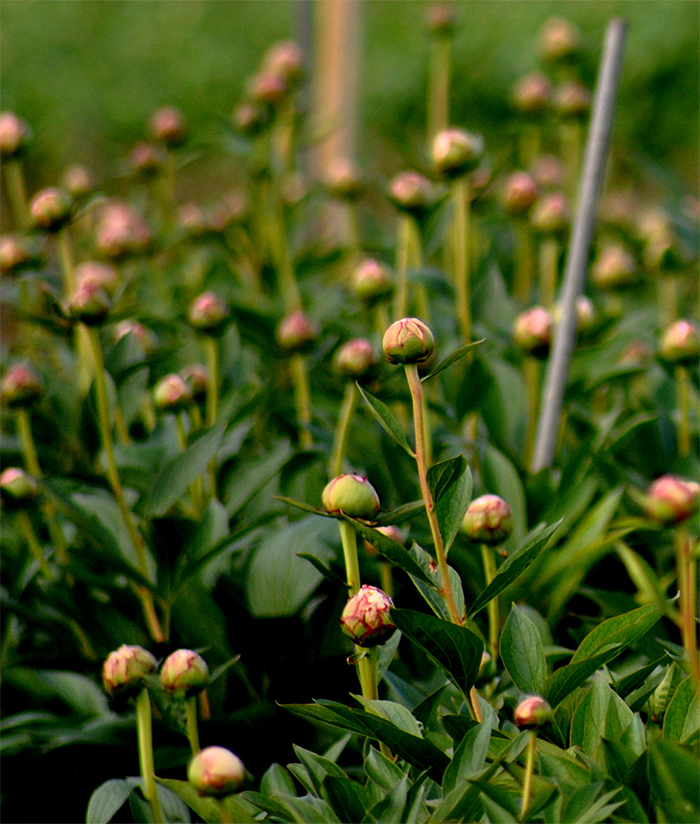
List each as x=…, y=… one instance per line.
x=524, y=262
x=686, y=572
x=418, y=402
x=212, y=348
x=340, y=438
x=34, y=545
x=17, y=194
x=145, y=737
x=531, y=373
x=402, y=263
x=549, y=253
x=192, y=731
x=462, y=259
x=348, y=538
x=302, y=398
x=683, y=393
x=487, y=556
x=529, y=768
x=439, y=85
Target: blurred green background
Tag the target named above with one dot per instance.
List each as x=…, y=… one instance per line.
x=87, y=74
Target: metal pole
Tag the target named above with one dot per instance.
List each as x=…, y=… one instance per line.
x=577, y=260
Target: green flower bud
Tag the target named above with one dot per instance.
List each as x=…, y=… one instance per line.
x=408, y=341
x=14, y=135
x=208, y=313
x=531, y=94
x=216, y=771
x=21, y=386
x=372, y=281
x=168, y=125
x=172, y=394
x=51, y=209
x=89, y=304
x=184, y=672
x=456, y=152
x=17, y=489
x=519, y=194
x=351, y=494
x=681, y=343
x=123, y=670
x=532, y=712
x=551, y=214
x=672, y=500
x=488, y=520
x=357, y=360
x=532, y=331
x=296, y=333
x=366, y=618
x=412, y=193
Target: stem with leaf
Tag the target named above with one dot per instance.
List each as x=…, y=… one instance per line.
x=192, y=731
x=686, y=571
x=462, y=258
x=340, y=438
x=145, y=737
x=487, y=556
x=529, y=769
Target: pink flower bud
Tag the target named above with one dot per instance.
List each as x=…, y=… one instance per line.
x=268, y=89
x=572, y=99
x=412, y=193
x=89, y=304
x=671, y=500
x=172, y=394
x=551, y=214
x=351, y=494
x=366, y=618
x=408, y=341
x=249, y=118
x=391, y=531
x=216, y=772
x=102, y=274
x=614, y=268
x=14, y=135
x=343, y=179
x=532, y=331
x=17, y=489
x=121, y=231
x=16, y=254
x=519, y=193
x=357, y=360
x=296, y=333
x=488, y=520
x=147, y=159
x=51, y=209
x=286, y=60
x=531, y=94
x=168, y=125
x=549, y=172
x=208, y=313
x=123, y=670
x=532, y=712
x=585, y=313
x=372, y=281
x=138, y=330
x=560, y=40
x=456, y=152
x=681, y=343
x=184, y=672
x=441, y=19
x=21, y=387
x=196, y=377
x=78, y=181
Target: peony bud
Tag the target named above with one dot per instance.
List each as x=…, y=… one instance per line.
x=249, y=118
x=21, y=387
x=14, y=135
x=51, y=209
x=352, y=495
x=549, y=172
x=560, y=41
x=138, y=330
x=296, y=333
x=488, y=520
x=572, y=100
x=408, y=341
x=17, y=489
x=216, y=771
x=585, y=313
x=441, y=20
x=614, y=268
x=531, y=94
x=456, y=152
x=680, y=343
x=102, y=274
x=532, y=712
x=268, y=89
x=168, y=125
x=671, y=500
x=147, y=159
x=551, y=214
x=357, y=360
x=89, y=304
x=208, y=313
x=343, y=179
x=366, y=617
x=519, y=193
x=532, y=331
x=412, y=193
x=123, y=670
x=78, y=181
x=371, y=281
x=16, y=254
x=196, y=377
x=286, y=60
x=121, y=231
x=172, y=394
x=184, y=672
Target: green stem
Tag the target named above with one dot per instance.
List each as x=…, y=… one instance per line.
x=342, y=429
x=34, y=545
x=439, y=85
x=145, y=737
x=105, y=427
x=529, y=768
x=386, y=577
x=65, y=253
x=487, y=556
x=524, y=262
x=667, y=296
x=224, y=814
x=16, y=193
x=460, y=239
x=418, y=402
x=283, y=262
x=683, y=383
x=686, y=572
x=549, y=254
x=348, y=538
x=212, y=347
x=402, y=263
x=192, y=731
x=302, y=398
x=531, y=375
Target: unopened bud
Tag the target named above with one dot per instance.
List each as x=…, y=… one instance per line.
x=408, y=341
x=89, y=304
x=531, y=94
x=121, y=231
x=285, y=59
x=456, y=152
x=442, y=19
x=171, y=394
x=78, y=181
x=560, y=41
x=357, y=360
x=21, y=387
x=168, y=125
x=268, y=89
x=196, y=377
x=671, y=500
x=103, y=274
x=549, y=172
x=208, y=313
x=412, y=192
x=296, y=333
x=488, y=520
x=352, y=495
x=14, y=135
x=585, y=313
x=551, y=214
x=681, y=343
x=129, y=326
x=366, y=618
x=16, y=254
x=124, y=669
x=17, y=489
x=519, y=193
x=51, y=209
x=184, y=672
x=532, y=331
x=216, y=772
x=372, y=281
x=249, y=118
x=572, y=99
x=532, y=712
x=343, y=179
x=147, y=159
x=614, y=268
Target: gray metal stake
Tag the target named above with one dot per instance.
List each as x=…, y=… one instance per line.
x=577, y=260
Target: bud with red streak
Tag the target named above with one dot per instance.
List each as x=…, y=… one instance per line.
x=124, y=669
x=408, y=341
x=366, y=618
x=672, y=500
x=352, y=495
x=532, y=712
x=184, y=673
x=216, y=772
x=488, y=520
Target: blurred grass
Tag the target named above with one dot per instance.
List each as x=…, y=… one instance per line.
x=88, y=74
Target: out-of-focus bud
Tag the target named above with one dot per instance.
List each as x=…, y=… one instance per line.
x=560, y=41
x=168, y=125
x=661, y=252
x=285, y=59
x=408, y=340
x=208, y=313
x=572, y=99
x=357, y=360
x=532, y=712
x=147, y=159
x=121, y=231
x=637, y=353
x=15, y=133
x=519, y=193
x=551, y=214
x=89, y=304
x=184, y=672
x=614, y=268
x=351, y=494
x=196, y=377
x=50, y=209
x=391, y=531
x=171, y=394
x=532, y=331
x=231, y=208
x=343, y=179
x=17, y=489
x=412, y=192
x=619, y=209
x=680, y=343
x=21, y=387
x=268, y=89
x=123, y=669
x=296, y=333
x=531, y=94
x=488, y=520
x=366, y=618
x=193, y=219
x=103, y=274
x=293, y=189
x=129, y=326
x=372, y=281
x=549, y=172
x=671, y=500
x=78, y=181
x=216, y=772
x=249, y=118
x=456, y=152
x=17, y=253
x=441, y=19
x=585, y=313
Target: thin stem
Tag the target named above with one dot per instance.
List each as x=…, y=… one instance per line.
x=16, y=193
x=487, y=556
x=105, y=426
x=212, y=347
x=418, y=401
x=462, y=259
x=342, y=429
x=439, y=84
x=524, y=262
x=386, y=577
x=192, y=731
x=686, y=571
x=667, y=292
x=65, y=253
x=348, y=538
x=28, y=449
x=402, y=263
x=529, y=768
x=34, y=545
x=683, y=393
x=145, y=737
x=531, y=374
x=473, y=706
x=549, y=254
x=302, y=398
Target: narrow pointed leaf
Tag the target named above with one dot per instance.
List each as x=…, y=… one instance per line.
x=566, y=679
x=387, y=419
x=458, y=354
x=622, y=629
x=682, y=717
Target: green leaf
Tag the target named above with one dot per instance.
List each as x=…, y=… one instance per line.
x=522, y=653
x=381, y=770
x=244, y=486
x=458, y=354
x=390, y=808
x=276, y=781
x=387, y=653
x=396, y=713
x=348, y=799
x=327, y=572
x=514, y=566
x=176, y=476
x=601, y=714
x=566, y=679
x=317, y=767
x=387, y=419
x=622, y=629
x=450, y=483
x=674, y=779
x=454, y=649
x=79, y=692
x=108, y=799
x=682, y=718
x=432, y=591
x=303, y=506
x=469, y=757
x=208, y=808
x=401, y=513
x=498, y=803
